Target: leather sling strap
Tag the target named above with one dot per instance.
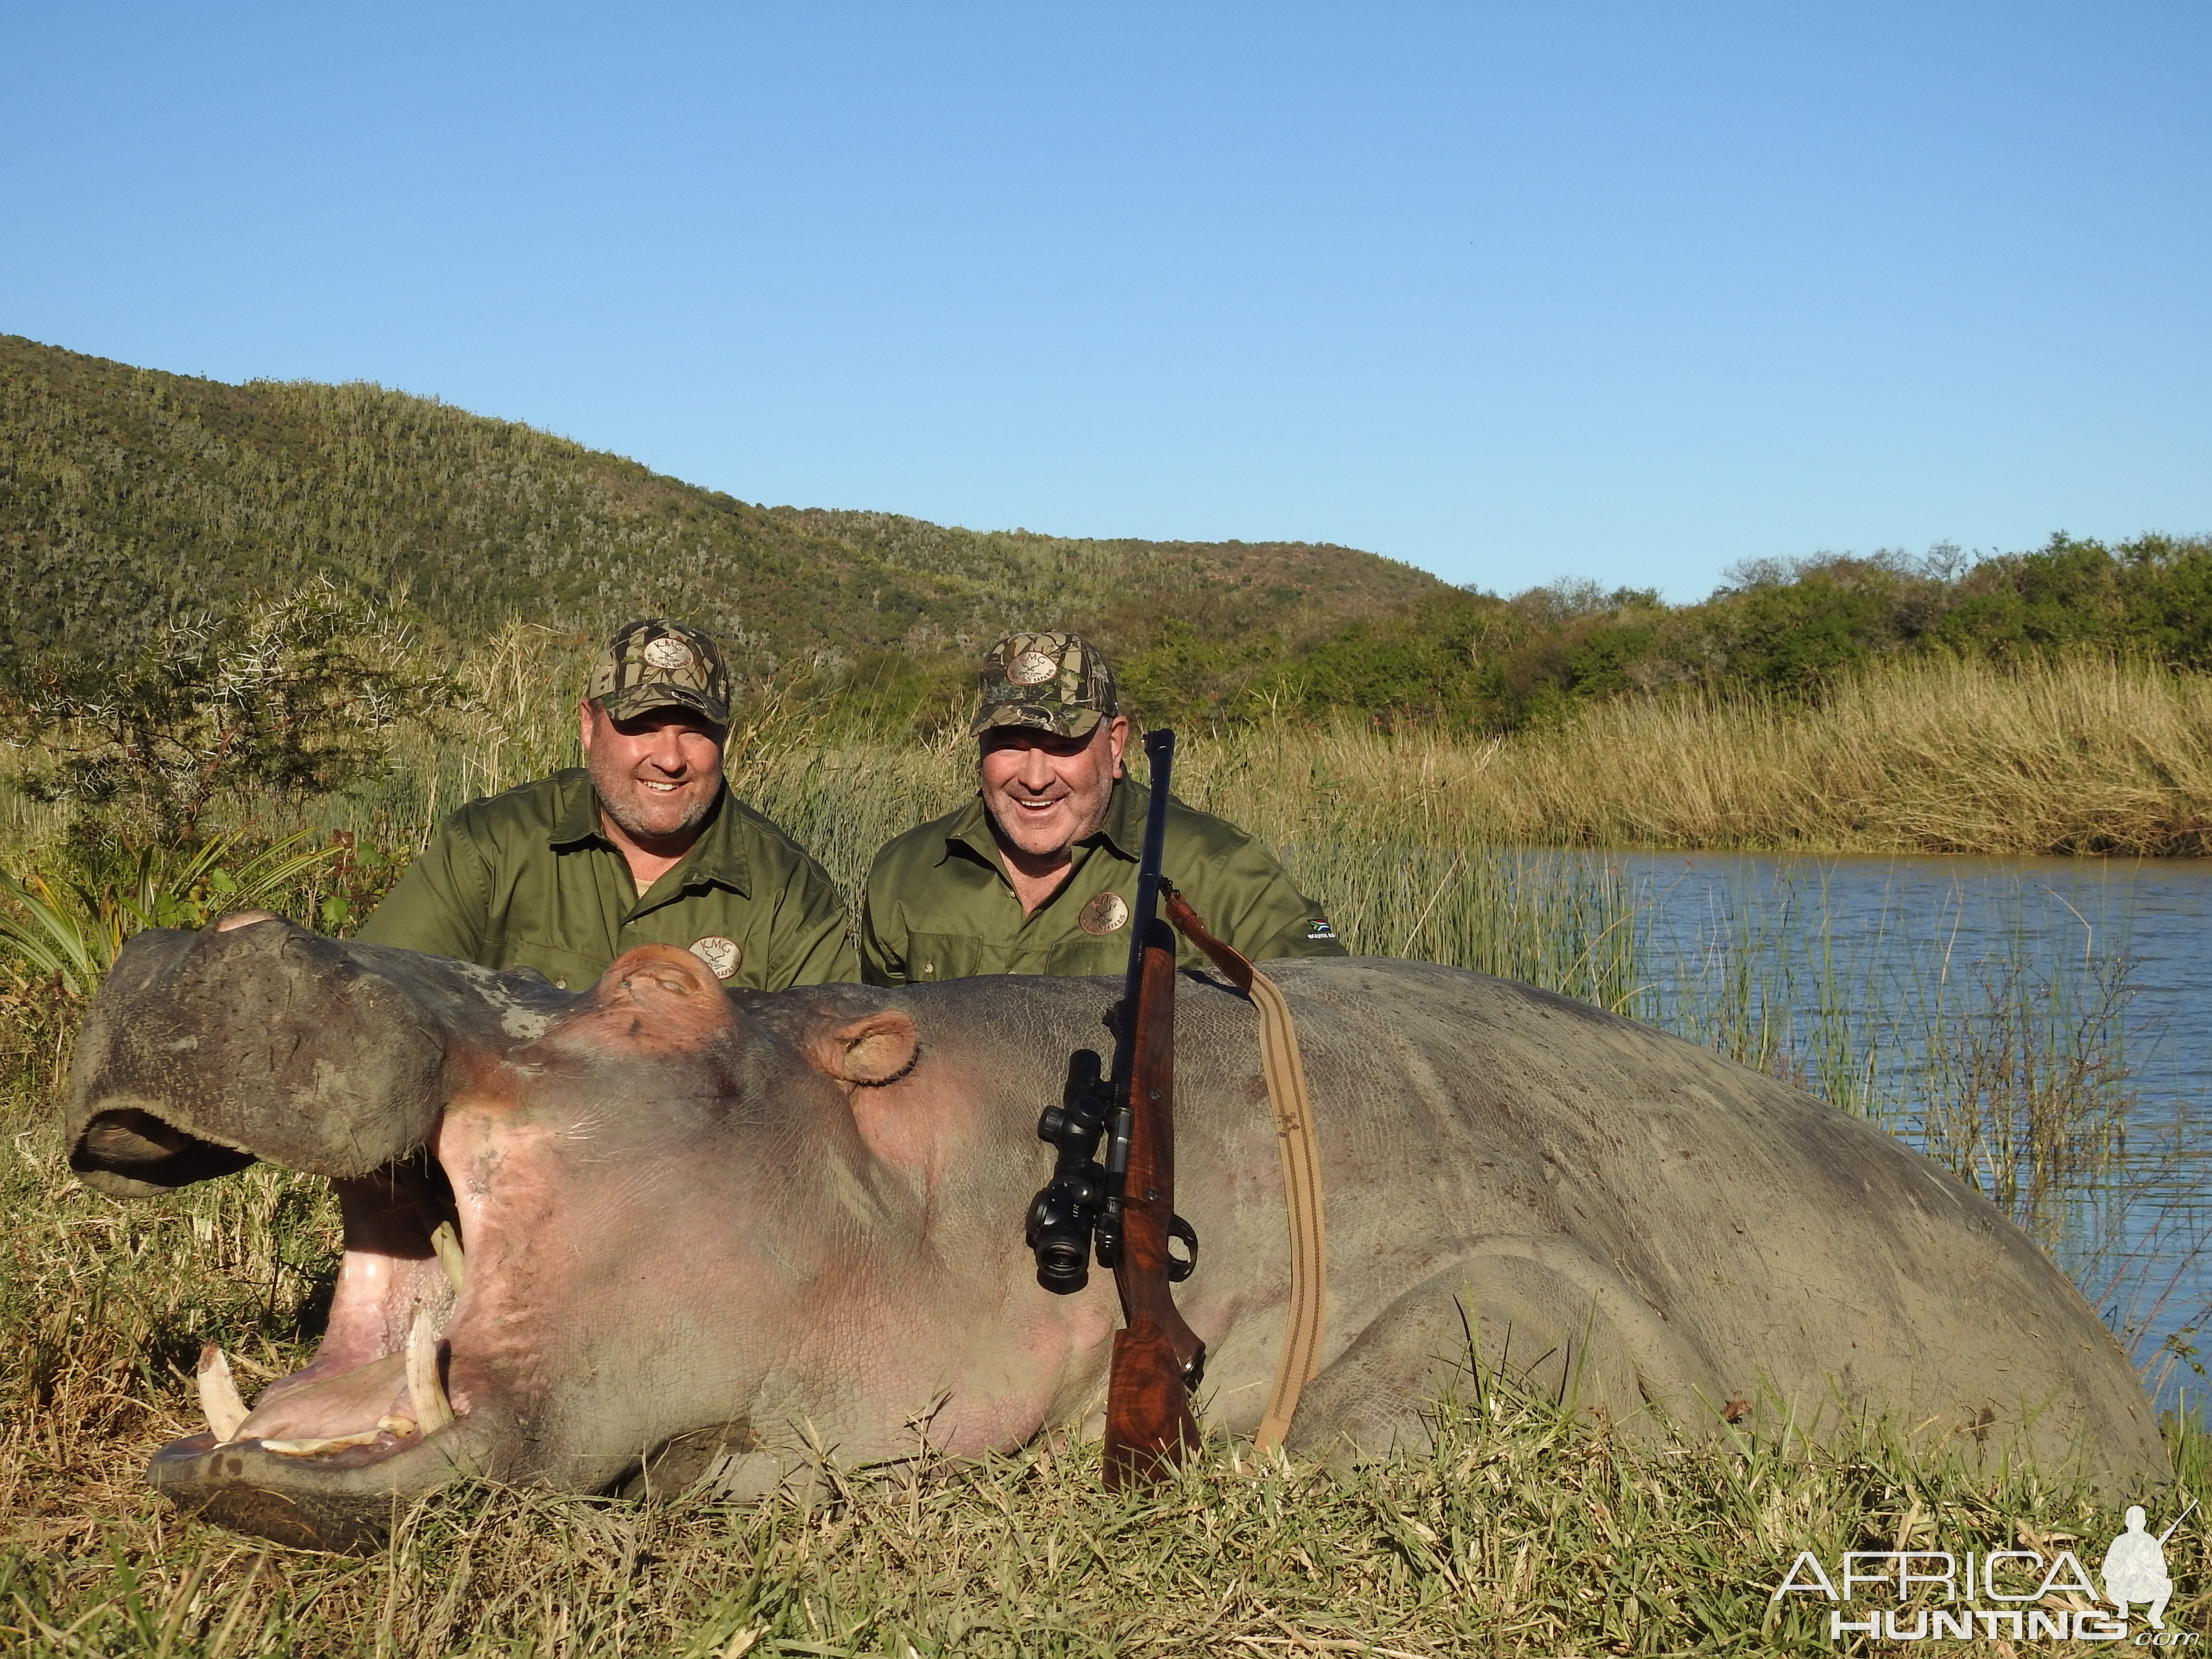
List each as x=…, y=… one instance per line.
x=1285, y=1075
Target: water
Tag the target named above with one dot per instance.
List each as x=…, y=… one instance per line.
x=1935, y=995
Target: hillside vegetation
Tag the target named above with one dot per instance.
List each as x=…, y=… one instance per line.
x=134, y=501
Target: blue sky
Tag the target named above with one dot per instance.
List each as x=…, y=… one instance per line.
x=1510, y=292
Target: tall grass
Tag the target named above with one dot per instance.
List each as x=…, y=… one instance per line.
x=1937, y=756
x=2086, y=755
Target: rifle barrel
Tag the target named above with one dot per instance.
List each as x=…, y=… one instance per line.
x=1159, y=751
x=2178, y=1520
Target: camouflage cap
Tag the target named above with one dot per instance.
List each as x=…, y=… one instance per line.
x=1049, y=682
x=657, y=663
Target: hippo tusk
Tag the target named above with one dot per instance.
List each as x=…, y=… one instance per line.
x=311, y=1448
x=399, y=1427
x=424, y=1391
x=219, y=1398
x=448, y=1244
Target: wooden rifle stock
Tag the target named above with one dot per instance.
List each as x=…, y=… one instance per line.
x=1157, y=1357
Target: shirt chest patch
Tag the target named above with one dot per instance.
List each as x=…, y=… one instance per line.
x=1103, y=912
x=722, y=955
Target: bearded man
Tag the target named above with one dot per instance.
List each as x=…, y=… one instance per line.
x=1037, y=874
x=643, y=845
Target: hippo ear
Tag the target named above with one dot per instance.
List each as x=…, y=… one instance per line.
x=878, y=1048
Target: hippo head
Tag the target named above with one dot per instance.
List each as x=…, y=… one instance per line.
x=548, y=1199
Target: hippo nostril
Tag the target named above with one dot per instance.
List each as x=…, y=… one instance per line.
x=128, y=1145
x=129, y=1136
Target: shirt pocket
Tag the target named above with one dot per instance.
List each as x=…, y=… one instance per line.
x=1108, y=954
x=931, y=956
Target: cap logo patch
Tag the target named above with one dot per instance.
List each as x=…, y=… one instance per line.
x=1106, y=913
x=722, y=955
x=671, y=654
x=1031, y=668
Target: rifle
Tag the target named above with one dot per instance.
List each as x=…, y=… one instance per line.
x=2178, y=1520
x=1130, y=1202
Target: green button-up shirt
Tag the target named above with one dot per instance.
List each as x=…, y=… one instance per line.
x=941, y=906
x=528, y=879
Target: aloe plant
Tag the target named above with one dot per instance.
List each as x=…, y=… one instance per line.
x=72, y=930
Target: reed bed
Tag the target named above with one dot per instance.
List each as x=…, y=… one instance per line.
x=1940, y=756
x=2079, y=756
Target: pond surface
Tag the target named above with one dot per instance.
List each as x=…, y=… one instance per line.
x=1941, y=995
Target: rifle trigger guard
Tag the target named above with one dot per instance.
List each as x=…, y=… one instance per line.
x=1180, y=1268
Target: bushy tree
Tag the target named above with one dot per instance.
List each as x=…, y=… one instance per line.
x=300, y=692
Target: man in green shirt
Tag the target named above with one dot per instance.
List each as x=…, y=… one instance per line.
x=643, y=845
x=1038, y=874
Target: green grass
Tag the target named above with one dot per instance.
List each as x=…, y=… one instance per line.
x=1520, y=1533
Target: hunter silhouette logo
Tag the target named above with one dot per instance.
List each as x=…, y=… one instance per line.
x=2134, y=1568
x=1929, y=1587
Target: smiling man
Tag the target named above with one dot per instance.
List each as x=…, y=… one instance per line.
x=1038, y=874
x=642, y=845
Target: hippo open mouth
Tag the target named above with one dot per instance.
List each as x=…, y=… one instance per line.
x=540, y=1190
x=384, y=1407
x=397, y=1400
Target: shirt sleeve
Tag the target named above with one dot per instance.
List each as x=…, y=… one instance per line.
x=1268, y=917
x=883, y=943
x=811, y=944
x=441, y=906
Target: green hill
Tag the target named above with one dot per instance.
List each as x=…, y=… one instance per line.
x=129, y=498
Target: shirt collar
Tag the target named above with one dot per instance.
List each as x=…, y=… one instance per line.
x=717, y=857
x=1124, y=828
x=970, y=832
x=579, y=815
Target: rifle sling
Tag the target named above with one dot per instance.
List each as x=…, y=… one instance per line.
x=1285, y=1074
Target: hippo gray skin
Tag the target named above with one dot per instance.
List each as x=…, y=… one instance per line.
x=701, y=1230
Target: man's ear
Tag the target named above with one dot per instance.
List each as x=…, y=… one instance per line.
x=879, y=1046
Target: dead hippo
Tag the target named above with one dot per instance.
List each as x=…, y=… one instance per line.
x=701, y=1229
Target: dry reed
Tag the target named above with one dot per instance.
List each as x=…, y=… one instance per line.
x=2087, y=755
